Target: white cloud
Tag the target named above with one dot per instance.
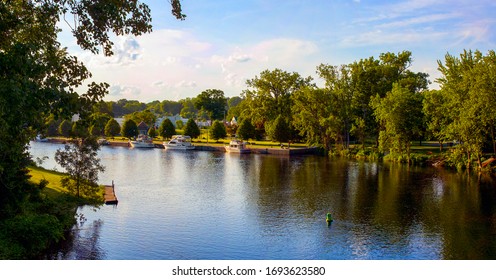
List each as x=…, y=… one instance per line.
x=123, y=91
x=186, y=84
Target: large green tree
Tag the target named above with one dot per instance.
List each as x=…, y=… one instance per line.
x=401, y=115
x=213, y=102
x=38, y=76
x=435, y=108
x=316, y=117
x=468, y=87
x=269, y=96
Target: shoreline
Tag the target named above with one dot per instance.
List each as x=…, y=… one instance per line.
x=216, y=148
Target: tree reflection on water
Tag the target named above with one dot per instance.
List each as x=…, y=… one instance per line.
x=81, y=243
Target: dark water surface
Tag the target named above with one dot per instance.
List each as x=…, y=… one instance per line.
x=205, y=205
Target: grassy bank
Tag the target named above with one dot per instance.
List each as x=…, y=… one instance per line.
x=43, y=220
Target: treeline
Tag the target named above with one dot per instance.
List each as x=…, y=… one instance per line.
x=377, y=103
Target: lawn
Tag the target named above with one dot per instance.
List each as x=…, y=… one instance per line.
x=53, y=177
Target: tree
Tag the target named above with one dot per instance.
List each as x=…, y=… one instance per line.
x=152, y=132
x=129, y=129
x=316, y=117
x=213, y=102
x=171, y=108
x=279, y=131
x=467, y=85
x=371, y=77
x=97, y=122
x=339, y=83
x=166, y=129
x=52, y=127
x=79, y=129
x=400, y=113
x=65, y=128
x=95, y=131
x=436, y=114
x=42, y=78
x=270, y=96
x=246, y=130
x=218, y=131
x=188, y=111
x=179, y=124
x=79, y=159
x=191, y=129
x=112, y=128
x=145, y=116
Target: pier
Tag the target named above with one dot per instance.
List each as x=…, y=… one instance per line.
x=109, y=195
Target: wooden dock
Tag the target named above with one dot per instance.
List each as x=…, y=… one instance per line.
x=109, y=195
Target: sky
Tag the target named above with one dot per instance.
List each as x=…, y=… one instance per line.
x=223, y=43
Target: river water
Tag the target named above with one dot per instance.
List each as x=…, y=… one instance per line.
x=217, y=206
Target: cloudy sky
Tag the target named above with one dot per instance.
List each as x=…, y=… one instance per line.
x=222, y=43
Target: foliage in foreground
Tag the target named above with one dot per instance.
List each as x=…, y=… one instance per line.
x=45, y=217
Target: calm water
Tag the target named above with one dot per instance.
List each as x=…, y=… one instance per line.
x=205, y=205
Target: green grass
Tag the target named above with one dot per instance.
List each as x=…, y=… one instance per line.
x=54, y=186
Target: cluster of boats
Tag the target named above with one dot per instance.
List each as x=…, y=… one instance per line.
x=183, y=142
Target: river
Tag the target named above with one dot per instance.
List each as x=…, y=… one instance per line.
x=193, y=205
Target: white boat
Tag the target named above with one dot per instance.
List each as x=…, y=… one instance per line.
x=179, y=142
x=238, y=147
x=142, y=141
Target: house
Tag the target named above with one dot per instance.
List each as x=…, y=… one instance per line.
x=143, y=128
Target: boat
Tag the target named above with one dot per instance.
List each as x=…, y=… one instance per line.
x=179, y=142
x=237, y=146
x=41, y=138
x=103, y=142
x=142, y=141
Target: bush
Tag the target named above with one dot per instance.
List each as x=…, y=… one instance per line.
x=29, y=235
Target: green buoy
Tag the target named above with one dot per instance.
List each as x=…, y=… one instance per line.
x=329, y=218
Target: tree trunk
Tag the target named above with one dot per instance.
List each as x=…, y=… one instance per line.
x=468, y=160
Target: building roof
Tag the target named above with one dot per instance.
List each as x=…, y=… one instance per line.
x=142, y=126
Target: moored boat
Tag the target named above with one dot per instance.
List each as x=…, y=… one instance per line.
x=142, y=141
x=238, y=147
x=179, y=142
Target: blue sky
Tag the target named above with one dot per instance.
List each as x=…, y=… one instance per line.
x=222, y=43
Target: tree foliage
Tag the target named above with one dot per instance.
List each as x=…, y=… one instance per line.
x=468, y=89
x=129, y=129
x=246, y=130
x=112, y=128
x=166, y=129
x=402, y=118
x=213, y=102
x=218, y=131
x=191, y=129
x=65, y=128
x=80, y=161
x=270, y=94
x=278, y=130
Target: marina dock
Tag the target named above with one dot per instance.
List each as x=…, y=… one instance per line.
x=109, y=195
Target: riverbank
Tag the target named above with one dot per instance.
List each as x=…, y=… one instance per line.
x=43, y=220
x=255, y=148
